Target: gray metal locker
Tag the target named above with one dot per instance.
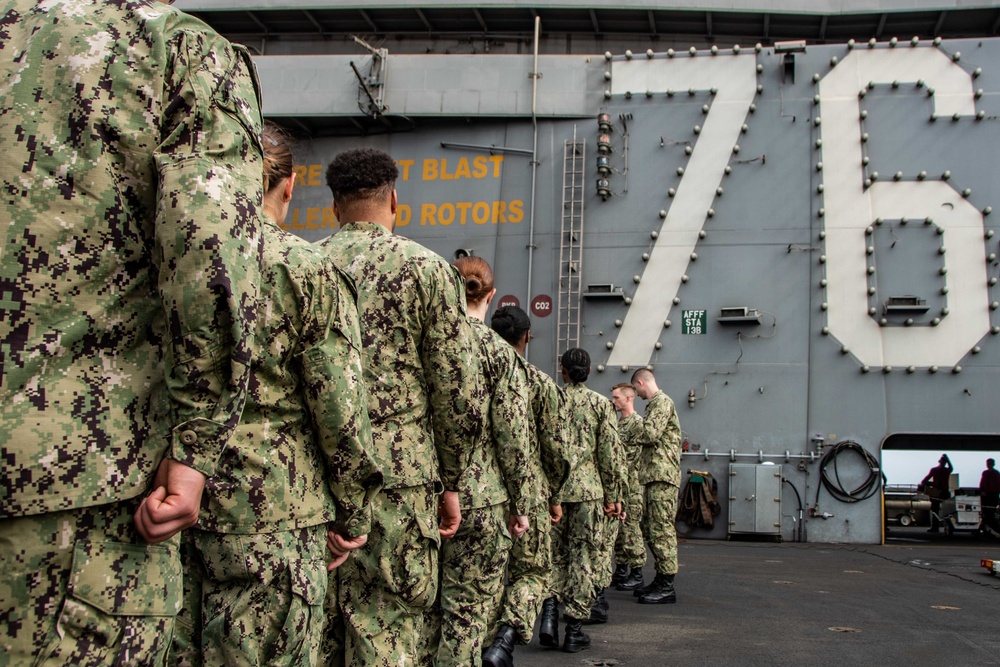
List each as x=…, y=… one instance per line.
x=755, y=499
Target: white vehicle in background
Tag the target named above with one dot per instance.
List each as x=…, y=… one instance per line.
x=961, y=511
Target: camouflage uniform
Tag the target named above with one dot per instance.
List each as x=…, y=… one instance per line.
x=630, y=549
x=424, y=386
x=530, y=568
x=660, y=474
x=131, y=183
x=597, y=476
x=503, y=469
x=299, y=460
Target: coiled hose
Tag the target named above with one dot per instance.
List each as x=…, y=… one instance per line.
x=868, y=488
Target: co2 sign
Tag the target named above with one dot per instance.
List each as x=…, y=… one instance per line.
x=541, y=305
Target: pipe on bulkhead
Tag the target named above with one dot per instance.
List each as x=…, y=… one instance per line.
x=534, y=161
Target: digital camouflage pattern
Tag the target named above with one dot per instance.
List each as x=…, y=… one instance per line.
x=529, y=572
x=425, y=389
x=530, y=565
x=300, y=459
x=502, y=466
x=422, y=376
x=387, y=586
x=549, y=435
x=597, y=476
x=629, y=547
x=129, y=195
x=80, y=587
x=660, y=473
x=597, y=469
x=661, y=434
x=262, y=596
x=301, y=456
x=576, y=556
x=658, y=525
x=473, y=564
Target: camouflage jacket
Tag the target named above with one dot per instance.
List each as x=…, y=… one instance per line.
x=423, y=377
x=631, y=435
x=301, y=456
x=503, y=466
x=661, y=453
x=130, y=187
x=549, y=433
x=597, y=460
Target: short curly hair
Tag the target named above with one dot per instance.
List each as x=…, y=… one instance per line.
x=361, y=173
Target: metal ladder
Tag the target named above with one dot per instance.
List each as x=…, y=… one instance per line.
x=570, y=248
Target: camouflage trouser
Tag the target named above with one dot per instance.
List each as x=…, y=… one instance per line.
x=261, y=596
x=606, y=569
x=387, y=585
x=80, y=587
x=473, y=564
x=332, y=649
x=658, y=525
x=528, y=575
x=630, y=549
x=576, y=550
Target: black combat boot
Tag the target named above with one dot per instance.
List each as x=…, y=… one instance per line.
x=501, y=652
x=620, y=575
x=660, y=591
x=635, y=580
x=598, y=610
x=641, y=590
x=576, y=639
x=548, y=631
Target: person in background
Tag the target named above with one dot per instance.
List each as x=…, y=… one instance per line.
x=592, y=494
x=989, y=496
x=495, y=493
x=299, y=460
x=630, y=549
x=530, y=564
x=424, y=387
x=131, y=185
x=935, y=484
x=660, y=475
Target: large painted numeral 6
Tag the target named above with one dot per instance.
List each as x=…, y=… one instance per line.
x=851, y=208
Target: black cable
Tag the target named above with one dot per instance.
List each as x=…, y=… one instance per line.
x=868, y=488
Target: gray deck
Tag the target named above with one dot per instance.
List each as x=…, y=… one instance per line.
x=918, y=600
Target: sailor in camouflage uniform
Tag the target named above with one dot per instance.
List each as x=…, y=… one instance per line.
x=424, y=385
x=299, y=460
x=592, y=494
x=131, y=183
x=502, y=482
x=660, y=474
x=530, y=565
x=630, y=549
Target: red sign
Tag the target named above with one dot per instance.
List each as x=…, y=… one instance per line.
x=541, y=305
x=508, y=300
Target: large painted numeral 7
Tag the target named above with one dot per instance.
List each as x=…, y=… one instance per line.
x=735, y=79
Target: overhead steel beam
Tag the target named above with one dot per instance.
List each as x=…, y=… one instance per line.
x=368, y=20
x=652, y=22
x=261, y=25
x=767, y=25
x=881, y=26
x=996, y=24
x=312, y=19
x=940, y=22
x=708, y=24
x=593, y=20
x=479, y=17
x=423, y=19
x=822, y=28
